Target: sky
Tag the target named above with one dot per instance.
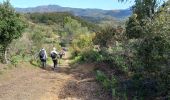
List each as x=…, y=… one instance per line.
x=100, y=4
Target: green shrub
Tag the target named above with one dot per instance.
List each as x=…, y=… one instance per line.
x=112, y=85
x=120, y=61
x=113, y=59
x=103, y=79
x=90, y=55
x=15, y=60
x=153, y=53
x=36, y=63
x=150, y=74
x=100, y=76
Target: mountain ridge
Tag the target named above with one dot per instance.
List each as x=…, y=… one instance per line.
x=88, y=12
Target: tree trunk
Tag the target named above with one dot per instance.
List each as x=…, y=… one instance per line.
x=5, y=57
x=1, y=54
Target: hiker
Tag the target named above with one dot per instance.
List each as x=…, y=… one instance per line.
x=61, y=53
x=43, y=57
x=54, y=55
x=65, y=49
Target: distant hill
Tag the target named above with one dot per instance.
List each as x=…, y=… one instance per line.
x=58, y=18
x=89, y=14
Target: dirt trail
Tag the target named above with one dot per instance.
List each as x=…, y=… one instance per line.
x=29, y=83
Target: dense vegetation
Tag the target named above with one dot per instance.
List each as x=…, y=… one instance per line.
x=58, y=18
x=138, y=55
x=11, y=26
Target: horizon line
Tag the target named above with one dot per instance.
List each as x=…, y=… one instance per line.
x=67, y=7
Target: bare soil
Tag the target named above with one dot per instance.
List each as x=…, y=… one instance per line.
x=64, y=83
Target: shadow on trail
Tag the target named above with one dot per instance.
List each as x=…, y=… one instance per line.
x=82, y=85
x=58, y=69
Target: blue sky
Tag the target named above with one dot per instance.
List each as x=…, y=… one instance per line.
x=101, y=4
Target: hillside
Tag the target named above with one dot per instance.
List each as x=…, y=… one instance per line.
x=94, y=14
x=53, y=18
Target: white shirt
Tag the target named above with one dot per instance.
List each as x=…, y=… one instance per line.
x=54, y=51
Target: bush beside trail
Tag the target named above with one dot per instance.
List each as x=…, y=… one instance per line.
x=140, y=55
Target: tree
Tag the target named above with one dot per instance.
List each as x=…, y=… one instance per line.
x=152, y=55
x=144, y=12
x=133, y=28
x=150, y=27
x=73, y=28
x=104, y=37
x=144, y=8
x=11, y=27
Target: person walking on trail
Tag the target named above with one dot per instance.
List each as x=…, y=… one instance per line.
x=62, y=53
x=54, y=55
x=43, y=57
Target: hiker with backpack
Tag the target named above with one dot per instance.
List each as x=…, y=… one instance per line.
x=61, y=53
x=43, y=57
x=54, y=55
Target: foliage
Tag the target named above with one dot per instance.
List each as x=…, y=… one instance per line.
x=42, y=36
x=11, y=25
x=143, y=11
x=103, y=79
x=133, y=28
x=153, y=52
x=111, y=49
x=63, y=24
x=105, y=36
x=73, y=28
x=83, y=48
x=15, y=60
x=89, y=55
x=149, y=79
x=145, y=8
x=81, y=42
x=143, y=55
x=38, y=38
x=81, y=39
x=58, y=18
x=111, y=85
x=36, y=63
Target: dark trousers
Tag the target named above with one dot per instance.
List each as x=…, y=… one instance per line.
x=55, y=63
x=43, y=61
x=61, y=56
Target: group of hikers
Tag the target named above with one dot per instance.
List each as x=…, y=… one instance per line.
x=54, y=56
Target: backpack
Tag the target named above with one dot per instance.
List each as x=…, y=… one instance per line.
x=42, y=54
x=53, y=55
